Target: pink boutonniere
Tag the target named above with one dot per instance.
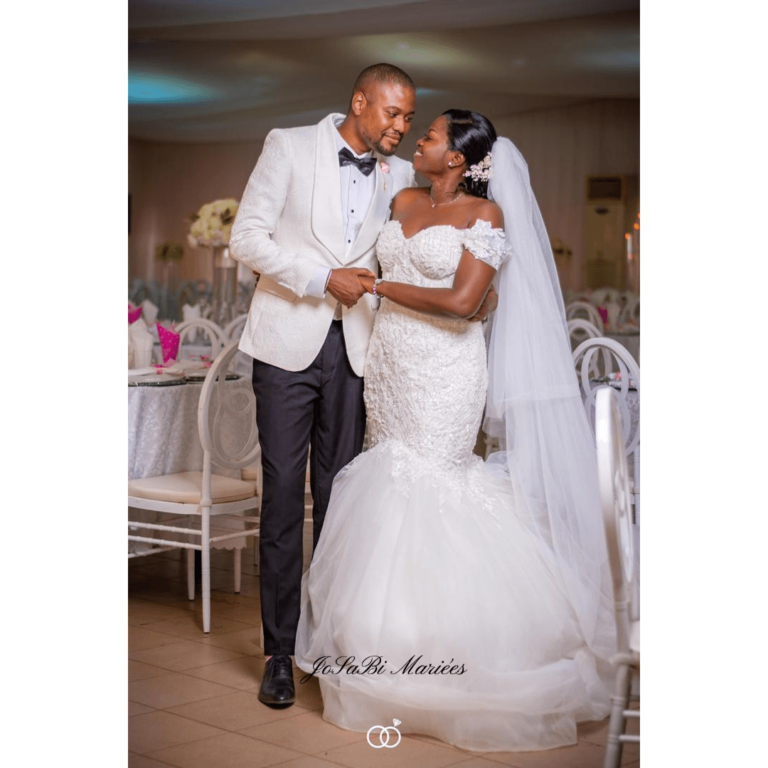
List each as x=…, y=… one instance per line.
x=385, y=170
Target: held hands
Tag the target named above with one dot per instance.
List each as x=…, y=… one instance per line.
x=346, y=284
x=490, y=302
x=367, y=283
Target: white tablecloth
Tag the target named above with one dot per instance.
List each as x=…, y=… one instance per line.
x=162, y=430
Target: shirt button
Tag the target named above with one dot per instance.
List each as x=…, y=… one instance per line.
x=353, y=210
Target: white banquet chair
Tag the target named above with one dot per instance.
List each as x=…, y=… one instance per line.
x=214, y=333
x=616, y=506
x=234, y=330
x=630, y=312
x=587, y=311
x=596, y=363
x=206, y=506
x=601, y=296
x=580, y=329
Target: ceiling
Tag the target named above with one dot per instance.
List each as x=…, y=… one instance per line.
x=230, y=70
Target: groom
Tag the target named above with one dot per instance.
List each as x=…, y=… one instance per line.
x=308, y=222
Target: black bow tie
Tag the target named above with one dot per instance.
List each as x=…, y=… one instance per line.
x=364, y=165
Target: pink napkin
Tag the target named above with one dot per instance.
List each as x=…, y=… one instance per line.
x=169, y=343
x=134, y=313
x=603, y=314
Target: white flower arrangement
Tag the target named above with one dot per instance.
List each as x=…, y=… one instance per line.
x=212, y=224
x=480, y=171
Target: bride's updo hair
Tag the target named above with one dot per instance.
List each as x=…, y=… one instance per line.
x=473, y=135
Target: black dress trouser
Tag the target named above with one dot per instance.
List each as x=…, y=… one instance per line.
x=321, y=406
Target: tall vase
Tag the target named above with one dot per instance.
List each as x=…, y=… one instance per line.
x=168, y=306
x=224, y=286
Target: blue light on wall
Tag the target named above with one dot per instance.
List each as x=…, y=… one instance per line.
x=151, y=88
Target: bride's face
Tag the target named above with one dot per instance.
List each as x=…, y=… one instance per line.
x=432, y=151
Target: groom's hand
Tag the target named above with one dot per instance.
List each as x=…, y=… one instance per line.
x=345, y=285
x=490, y=302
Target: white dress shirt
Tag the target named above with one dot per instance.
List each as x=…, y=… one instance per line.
x=356, y=194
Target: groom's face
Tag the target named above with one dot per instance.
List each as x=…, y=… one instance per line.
x=386, y=116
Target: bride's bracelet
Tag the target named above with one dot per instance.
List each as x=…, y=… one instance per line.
x=377, y=281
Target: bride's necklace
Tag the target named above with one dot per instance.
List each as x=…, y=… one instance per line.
x=434, y=204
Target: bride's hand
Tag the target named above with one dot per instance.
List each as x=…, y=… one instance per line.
x=366, y=282
x=490, y=303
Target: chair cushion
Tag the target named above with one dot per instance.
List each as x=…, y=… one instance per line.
x=187, y=488
x=250, y=473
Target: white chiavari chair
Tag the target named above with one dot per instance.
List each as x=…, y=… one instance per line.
x=630, y=312
x=234, y=330
x=586, y=311
x=617, y=519
x=601, y=361
x=188, y=332
x=580, y=329
x=209, y=508
x=601, y=296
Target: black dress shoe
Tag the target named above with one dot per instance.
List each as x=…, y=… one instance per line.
x=277, y=687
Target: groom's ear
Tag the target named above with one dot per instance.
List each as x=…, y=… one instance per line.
x=358, y=103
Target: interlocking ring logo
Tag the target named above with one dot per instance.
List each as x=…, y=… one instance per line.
x=384, y=735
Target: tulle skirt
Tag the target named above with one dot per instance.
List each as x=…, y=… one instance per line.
x=429, y=601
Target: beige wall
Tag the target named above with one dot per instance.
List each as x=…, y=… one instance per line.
x=563, y=146
x=167, y=183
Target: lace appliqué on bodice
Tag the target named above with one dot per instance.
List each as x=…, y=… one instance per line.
x=487, y=243
x=425, y=375
x=434, y=253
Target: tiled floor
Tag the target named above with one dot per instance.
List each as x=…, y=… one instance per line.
x=193, y=698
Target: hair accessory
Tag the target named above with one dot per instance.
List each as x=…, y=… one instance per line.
x=480, y=171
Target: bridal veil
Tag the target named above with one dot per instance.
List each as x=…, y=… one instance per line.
x=534, y=407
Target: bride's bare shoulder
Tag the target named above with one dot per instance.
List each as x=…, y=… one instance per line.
x=486, y=210
x=406, y=197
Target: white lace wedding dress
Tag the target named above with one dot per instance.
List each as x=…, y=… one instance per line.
x=423, y=560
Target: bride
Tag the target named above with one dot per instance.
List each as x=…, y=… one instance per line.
x=468, y=600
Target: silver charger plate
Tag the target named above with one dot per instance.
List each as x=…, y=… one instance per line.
x=198, y=376
x=156, y=380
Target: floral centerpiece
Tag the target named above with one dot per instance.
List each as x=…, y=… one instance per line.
x=212, y=224
x=210, y=228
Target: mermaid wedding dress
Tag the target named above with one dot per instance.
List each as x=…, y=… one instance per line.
x=428, y=599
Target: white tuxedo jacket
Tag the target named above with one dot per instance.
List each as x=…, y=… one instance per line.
x=288, y=224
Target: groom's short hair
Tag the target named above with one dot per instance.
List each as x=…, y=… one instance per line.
x=382, y=74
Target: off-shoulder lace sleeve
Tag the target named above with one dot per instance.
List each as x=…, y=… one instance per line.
x=487, y=244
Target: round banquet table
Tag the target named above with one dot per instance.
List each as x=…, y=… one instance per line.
x=162, y=429
x=242, y=364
